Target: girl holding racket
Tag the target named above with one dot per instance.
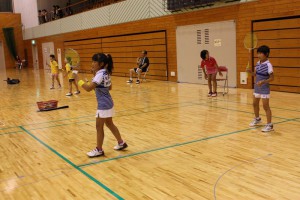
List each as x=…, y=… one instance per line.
x=71, y=76
x=264, y=75
x=54, y=71
x=210, y=69
x=102, y=66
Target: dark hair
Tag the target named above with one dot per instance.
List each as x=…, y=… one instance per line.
x=144, y=52
x=52, y=56
x=203, y=54
x=69, y=59
x=264, y=49
x=106, y=59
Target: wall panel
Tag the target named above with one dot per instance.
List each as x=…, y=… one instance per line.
x=125, y=49
x=283, y=38
x=12, y=20
x=244, y=14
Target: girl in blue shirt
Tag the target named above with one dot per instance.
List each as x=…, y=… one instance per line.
x=102, y=66
x=264, y=75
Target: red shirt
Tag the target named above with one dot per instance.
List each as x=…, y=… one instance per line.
x=210, y=65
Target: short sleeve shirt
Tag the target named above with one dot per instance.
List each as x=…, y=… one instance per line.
x=54, y=67
x=69, y=71
x=209, y=65
x=143, y=61
x=103, y=82
x=263, y=71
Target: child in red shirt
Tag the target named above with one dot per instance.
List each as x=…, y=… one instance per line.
x=210, y=68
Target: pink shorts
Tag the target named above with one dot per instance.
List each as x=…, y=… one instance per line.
x=211, y=70
x=54, y=75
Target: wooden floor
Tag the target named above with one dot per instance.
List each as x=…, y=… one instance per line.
x=182, y=144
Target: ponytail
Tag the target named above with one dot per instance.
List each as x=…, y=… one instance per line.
x=110, y=64
x=106, y=59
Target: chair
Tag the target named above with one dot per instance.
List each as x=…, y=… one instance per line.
x=224, y=71
x=143, y=74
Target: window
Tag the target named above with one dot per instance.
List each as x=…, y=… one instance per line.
x=181, y=4
x=6, y=6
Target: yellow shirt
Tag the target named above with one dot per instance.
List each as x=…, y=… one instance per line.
x=69, y=71
x=54, y=67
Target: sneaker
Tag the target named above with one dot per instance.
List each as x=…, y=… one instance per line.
x=69, y=94
x=129, y=81
x=94, y=153
x=137, y=82
x=214, y=94
x=77, y=92
x=268, y=128
x=255, y=122
x=209, y=94
x=120, y=146
x=51, y=88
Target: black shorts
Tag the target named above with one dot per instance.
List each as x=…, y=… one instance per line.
x=143, y=70
x=71, y=80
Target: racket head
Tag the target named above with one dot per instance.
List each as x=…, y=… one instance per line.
x=250, y=41
x=72, y=56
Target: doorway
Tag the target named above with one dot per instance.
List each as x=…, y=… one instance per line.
x=2, y=57
x=35, y=56
x=48, y=49
x=219, y=38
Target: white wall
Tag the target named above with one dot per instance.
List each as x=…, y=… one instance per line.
x=124, y=11
x=29, y=12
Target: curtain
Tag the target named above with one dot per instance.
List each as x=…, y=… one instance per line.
x=10, y=41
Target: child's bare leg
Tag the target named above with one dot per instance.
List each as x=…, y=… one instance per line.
x=76, y=85
x=256, y=106
x=57, y=80
x=112, y=127
x=70, y=87
x=267, y=110
x=138, y=74
x=209, y=83
x=214, y=80
x=100, y=132
x=52, y=80
x=131, y=72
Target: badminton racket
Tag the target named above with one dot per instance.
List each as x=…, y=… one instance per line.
x=250, y=43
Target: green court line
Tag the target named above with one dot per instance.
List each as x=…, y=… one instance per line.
x=246, y=112
x=171, y=146
x=9, y=127
x=141, y=112
x=73, y=165
x=296, y=120
x=11, y=132
x=288, y=109
x=138, y=113
x=19, y=104
x=202, y=99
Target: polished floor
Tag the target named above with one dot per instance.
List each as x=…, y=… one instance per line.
x=182, y=144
